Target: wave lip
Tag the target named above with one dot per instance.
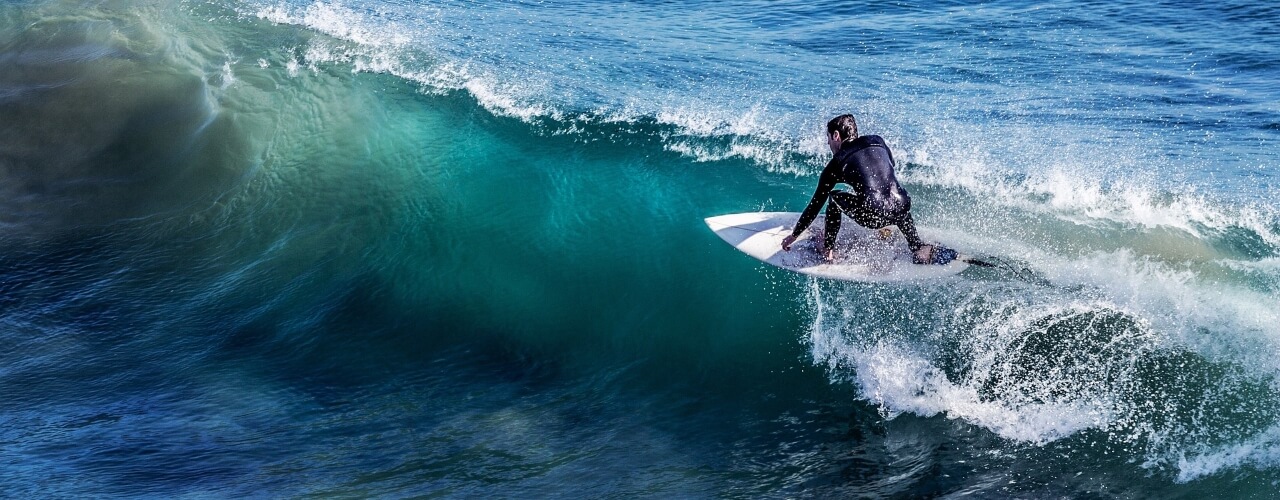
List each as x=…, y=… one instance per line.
x=372, y=44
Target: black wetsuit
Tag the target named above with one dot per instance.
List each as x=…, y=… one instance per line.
x=876, y=200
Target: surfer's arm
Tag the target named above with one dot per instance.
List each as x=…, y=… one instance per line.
x=826, y=182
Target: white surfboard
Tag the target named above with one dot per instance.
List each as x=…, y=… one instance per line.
x=861, y=255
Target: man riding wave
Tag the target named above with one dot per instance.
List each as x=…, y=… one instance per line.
x=875, y=199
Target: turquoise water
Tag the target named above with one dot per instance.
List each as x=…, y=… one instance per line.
x=395, y=248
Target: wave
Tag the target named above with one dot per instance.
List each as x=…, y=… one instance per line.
x=1149, y=307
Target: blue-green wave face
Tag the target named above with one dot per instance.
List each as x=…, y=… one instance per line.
x=375, y=248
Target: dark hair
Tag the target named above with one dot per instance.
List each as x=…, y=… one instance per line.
x=845, y=124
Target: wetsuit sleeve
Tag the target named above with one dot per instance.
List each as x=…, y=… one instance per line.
x=826, y=182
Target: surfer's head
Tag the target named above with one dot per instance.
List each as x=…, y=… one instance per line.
x=839, y=129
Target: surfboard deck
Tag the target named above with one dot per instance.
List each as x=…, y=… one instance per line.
x=861, y=255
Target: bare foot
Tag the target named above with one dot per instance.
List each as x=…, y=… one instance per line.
x=828, y=254
x=886, y=233
x=923, y=255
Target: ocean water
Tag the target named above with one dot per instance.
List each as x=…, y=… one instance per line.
x=398, y=248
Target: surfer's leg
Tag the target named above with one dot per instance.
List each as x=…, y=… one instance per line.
x=908, y=228
x=838, y=204
x=921, y=252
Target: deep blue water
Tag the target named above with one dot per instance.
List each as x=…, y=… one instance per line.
x=402, y=248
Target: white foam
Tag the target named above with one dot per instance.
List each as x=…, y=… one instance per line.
x=333, y=19
x=1267, y=265
x=1181, y=305
x=764, y=154
x=706, y=133
x=1076, y=193
x=903, y=382
x=894, y=375
x=506, y=100
x=227, y=76
x=380, y=46
x=705, y=120
x=1261, y=451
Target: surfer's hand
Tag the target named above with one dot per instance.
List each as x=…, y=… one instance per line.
x=786, y=242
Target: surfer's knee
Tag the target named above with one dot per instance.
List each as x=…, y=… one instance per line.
x=834, y=212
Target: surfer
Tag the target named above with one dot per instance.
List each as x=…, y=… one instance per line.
x=875, y=200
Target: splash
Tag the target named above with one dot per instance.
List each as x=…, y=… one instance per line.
x=1179, y=370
